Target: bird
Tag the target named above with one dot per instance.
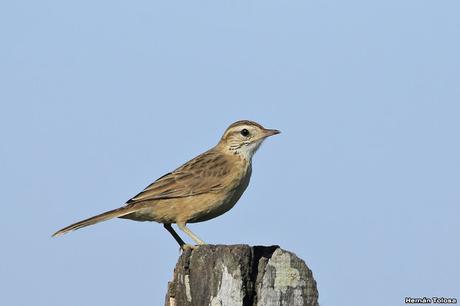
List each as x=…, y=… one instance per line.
x=201, y=189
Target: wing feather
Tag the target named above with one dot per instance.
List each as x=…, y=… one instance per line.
x=200, y=175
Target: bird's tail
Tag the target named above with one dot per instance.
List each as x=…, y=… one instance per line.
x=119, y=212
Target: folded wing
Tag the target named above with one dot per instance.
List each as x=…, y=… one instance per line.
x=203, y=174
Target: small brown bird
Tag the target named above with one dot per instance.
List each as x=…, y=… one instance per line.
x=201, y=189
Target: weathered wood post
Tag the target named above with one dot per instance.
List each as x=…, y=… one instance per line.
x=233, y=275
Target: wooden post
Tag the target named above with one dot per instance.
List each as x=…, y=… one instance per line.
x=233, y=275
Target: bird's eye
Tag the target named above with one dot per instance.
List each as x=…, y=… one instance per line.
x=245, y=132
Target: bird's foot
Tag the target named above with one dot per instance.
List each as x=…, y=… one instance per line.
x=186, y=246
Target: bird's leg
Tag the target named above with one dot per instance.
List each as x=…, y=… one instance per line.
x=190, y=233
x=179, y=240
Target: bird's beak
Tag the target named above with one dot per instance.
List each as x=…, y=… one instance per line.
x=268, y=132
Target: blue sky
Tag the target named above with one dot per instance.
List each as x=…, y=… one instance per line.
x=98, y=99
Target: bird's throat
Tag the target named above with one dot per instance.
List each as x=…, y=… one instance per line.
x=248, y=150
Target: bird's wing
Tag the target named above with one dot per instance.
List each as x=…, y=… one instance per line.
x=205, y=173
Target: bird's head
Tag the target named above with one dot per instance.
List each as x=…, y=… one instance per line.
x=244, y=138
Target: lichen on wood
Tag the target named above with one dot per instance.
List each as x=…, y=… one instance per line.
x=220, y=275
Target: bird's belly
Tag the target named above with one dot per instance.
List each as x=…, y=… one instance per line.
x=215, y=209
x=219, y=207
x=187, y=210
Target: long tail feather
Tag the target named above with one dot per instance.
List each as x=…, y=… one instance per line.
x=119, y=212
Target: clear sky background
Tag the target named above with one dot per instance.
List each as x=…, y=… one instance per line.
x=100, y=98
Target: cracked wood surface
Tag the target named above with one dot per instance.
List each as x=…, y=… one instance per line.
x=221, y=275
